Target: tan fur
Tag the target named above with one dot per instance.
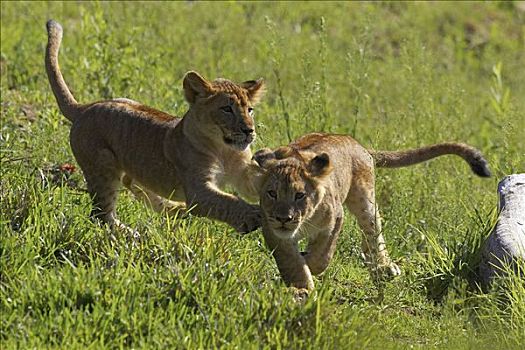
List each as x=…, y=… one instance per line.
x=305, y=187
x=164, y=160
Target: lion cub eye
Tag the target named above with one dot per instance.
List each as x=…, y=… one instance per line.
x=299, y=196
x=272, y=194
x=227, y=109
x=250, y=111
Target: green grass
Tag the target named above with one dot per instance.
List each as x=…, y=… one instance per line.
x=394, y=75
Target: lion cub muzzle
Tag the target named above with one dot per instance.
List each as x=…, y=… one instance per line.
x=240, y=140
x=285, y=228
x=284, y=221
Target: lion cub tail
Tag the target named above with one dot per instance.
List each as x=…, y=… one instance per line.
x=66, y=102
x=396, y=159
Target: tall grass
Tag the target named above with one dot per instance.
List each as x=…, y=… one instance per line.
x=394, y=75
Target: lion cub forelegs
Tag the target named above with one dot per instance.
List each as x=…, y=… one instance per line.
x=206, y=199
x=297, y=268
x=291, y=264
x=321, y=248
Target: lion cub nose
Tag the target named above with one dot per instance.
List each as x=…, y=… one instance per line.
x=284, y=219
x=248, y=131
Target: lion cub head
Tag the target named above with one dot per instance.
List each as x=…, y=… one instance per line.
x=223, y=110
x=292, y=188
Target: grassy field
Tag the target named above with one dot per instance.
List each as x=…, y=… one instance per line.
x=394, y=75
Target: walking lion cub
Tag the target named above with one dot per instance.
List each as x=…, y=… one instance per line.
x=163, y=159
x=305, y=187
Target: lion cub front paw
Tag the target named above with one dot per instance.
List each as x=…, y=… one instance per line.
x=250, y=221
x=300, y=295
x=390, y=271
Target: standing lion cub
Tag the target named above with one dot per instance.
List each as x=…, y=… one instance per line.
x=163, y=159
x=305, y=187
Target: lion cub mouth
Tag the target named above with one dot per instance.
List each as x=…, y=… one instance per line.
x=239, y=141
x=285, y=231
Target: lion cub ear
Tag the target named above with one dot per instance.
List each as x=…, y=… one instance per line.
x=263, y=157
x=320, y=166
x=195, y=86
x=255, y=89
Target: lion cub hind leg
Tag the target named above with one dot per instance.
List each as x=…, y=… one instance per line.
x=290, y=262
x=153, y=200
x=102, y=178
x=361, y=203
x=103, y=184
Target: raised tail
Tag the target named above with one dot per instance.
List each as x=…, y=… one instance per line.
x=66, y=102
x=396, y=159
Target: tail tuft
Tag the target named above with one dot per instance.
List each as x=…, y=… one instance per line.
x=479, y=166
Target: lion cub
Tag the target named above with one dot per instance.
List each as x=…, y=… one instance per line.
x=305, y=187
x=161, y=158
